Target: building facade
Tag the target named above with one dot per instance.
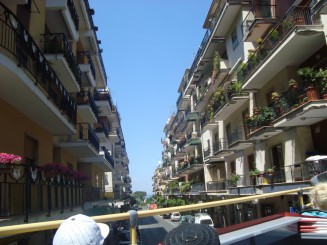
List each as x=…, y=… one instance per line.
x=57, y=115
x=251, y=108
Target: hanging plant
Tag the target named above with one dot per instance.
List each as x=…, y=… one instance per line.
x=216, y=64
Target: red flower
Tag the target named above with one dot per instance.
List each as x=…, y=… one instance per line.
x=6, y=158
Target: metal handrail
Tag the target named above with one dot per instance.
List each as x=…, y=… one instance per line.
x=49, y=225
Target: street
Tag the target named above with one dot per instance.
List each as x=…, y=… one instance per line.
x=153, y=229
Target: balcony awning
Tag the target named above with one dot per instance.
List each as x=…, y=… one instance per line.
x=195, y=141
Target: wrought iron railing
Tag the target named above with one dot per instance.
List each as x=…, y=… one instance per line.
x=56, y=43
x=261, y=11
x=19, y=44
x=81, y=56
x=73, y=13
x=295, y=16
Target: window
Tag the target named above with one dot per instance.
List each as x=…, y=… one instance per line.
x=31, y=150
x=234, y=39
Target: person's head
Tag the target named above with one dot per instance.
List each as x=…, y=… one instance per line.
x=318, y=196
x=190, y=233
x=81, y=230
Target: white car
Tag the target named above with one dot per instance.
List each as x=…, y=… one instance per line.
x=203, y=218
x=176, y=216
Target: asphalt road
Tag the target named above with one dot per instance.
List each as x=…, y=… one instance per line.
x=153, y=229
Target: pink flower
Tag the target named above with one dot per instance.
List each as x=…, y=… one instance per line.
x=6, y=158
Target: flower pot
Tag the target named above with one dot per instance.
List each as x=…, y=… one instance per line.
x=312, y=93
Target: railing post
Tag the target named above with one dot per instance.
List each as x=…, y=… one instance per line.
x=133, y=223
x=301, y=203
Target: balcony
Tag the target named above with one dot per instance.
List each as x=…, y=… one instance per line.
x=87, y=29
x=281, y=47
x=113, y=135
x=57, y=51
x=104, y=160
x=22, y=201
x=217, y=186
x=87, y=108
x=103, y=101
x=192, y=116
x=258, y=21
x=26, y=72
x=102, y=132
x=183, y=102
x=88, y=69
x=62, y=13
x=320, y=6
x=231, y=105
x=237, y=140
x=220, y=149
x=221, y=14
x=208, y=124
x=84, y=143
x=208, y=87
x=191, y=166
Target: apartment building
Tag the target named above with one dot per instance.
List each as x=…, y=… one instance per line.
x=251, y=108
x=57, y=115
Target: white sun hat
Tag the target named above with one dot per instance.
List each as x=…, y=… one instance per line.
x=81, y=230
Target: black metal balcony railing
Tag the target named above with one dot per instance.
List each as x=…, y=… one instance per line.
x=16, y=40
x=219, y=146
x=216, y=185
x=37, y=191
x=295, y=16
x=73, y=13
x=206, y=38
x=109, y=158
x=56, y=43
x=93, y=104
x=90, y=13
x=101, y=128
x=85, y=58
x=236, y=135
x=206, y=152
x=89, y=100
x=85, y=132
x=259, y=11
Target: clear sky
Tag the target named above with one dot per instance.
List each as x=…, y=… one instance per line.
x=147, y=45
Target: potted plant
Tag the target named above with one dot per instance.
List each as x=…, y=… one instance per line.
x=292, y=84
x=286, y=25
x=6, y=158
x=322, y=85
x=254, y=172
x=309, y=77
x=275, y=96
x=185, y=187
x=270, y=171
x=273, y=35
x=268, y=115
x=234, y=178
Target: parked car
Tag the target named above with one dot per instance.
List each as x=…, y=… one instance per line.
x=166, y=216
x=186, y=219
x=203, y=218
x=176, y=216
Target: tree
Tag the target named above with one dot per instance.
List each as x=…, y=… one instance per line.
x=139, y=196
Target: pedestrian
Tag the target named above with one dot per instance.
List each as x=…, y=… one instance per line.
x=318, y=198
x=81, y=230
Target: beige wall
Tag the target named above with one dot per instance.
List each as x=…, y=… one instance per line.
x=13, y=128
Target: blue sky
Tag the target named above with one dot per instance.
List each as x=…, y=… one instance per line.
x=147, y=45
